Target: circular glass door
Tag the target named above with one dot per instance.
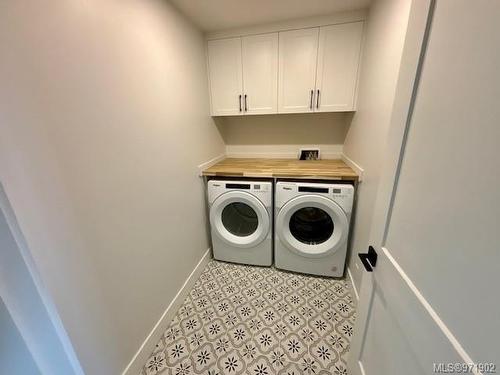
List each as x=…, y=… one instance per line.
x=311, y=225
x=240, y=219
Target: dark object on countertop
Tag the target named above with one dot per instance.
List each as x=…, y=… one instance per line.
x=309, y=154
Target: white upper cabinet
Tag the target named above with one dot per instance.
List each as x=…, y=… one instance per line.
x=298, y=50
x=304, y=70
x=260, y=73
x=338, y=61
x=226, y=76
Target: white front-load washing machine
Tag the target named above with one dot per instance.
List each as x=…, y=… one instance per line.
x=241, y=221
x=312, y=227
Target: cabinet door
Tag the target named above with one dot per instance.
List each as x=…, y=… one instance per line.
x=260, y=73
x=225, y=72
x=298, y=50
x=338, y=61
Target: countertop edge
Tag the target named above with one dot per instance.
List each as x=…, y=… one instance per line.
x=301, y=177
x=280, y=172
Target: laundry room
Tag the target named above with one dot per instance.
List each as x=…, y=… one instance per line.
x=249, y=187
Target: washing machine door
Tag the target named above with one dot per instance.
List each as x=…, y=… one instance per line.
x=240, y=219
x=312, y=226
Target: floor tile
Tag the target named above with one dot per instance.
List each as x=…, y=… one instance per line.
x=257, y=320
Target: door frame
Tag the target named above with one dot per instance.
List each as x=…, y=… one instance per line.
x=29, y=303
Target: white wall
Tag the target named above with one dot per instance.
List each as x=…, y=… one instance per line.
x=104, y=117
x=365, y=140
x=284, y=134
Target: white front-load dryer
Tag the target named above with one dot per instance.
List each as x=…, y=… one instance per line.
x=241, y=221
x=312, y=227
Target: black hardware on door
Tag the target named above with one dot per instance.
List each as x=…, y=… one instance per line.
x=311, y=102
x=317, y=100
x=369, y=259
x=240, y=103
x=246, y=108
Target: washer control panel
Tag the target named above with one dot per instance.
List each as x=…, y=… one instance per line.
x=261, y=189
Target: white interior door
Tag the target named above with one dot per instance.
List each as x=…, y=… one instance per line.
x=226, y=76
x=338, y=61
x=426, y=304
x=298, y=51
x=260, y=73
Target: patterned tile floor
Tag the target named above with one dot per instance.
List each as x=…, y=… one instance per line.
x=262, y=321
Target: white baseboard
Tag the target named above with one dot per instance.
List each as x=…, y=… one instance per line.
x=356, y=167
x=280, y=151
x=353, y=284
x=209, y=163
x=147, y=347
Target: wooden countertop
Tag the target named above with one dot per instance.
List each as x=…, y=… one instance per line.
x=334, y=169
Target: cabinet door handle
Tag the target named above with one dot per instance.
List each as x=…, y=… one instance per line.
x=246, y=108
x=317, y=99
x=240, y=102
x=311, y=102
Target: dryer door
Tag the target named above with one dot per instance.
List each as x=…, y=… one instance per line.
x=240, y=219
x=312, y=226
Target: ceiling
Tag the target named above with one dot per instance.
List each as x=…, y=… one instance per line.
x=212, y=15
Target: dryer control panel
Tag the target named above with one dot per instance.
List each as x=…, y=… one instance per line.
x=342, y=194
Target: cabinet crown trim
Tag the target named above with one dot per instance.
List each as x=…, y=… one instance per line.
x=300, y=23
